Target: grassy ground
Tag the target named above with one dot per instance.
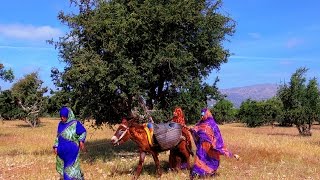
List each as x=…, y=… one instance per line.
x=266, y=153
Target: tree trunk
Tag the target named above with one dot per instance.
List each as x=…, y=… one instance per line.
x=304, y=129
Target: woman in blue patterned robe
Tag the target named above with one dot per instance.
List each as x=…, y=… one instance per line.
x=70, y=138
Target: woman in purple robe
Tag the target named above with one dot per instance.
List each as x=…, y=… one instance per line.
x=70, y=138
x=210, y=146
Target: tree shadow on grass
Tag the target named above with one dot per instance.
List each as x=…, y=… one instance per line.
x=5, y=134
x=105, y=151
x=317, y=143
x=315, y=127
x=28, y=126
x=149, y=169
x=283, y=134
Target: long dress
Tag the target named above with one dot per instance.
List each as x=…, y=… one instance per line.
x=70, y=133
x=174, y=154
x=210, y=146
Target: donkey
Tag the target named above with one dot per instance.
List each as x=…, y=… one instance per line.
x=136, y=132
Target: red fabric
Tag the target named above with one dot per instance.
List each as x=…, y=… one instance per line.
x=178, y=116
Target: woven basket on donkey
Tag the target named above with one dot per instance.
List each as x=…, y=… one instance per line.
x=168, y=134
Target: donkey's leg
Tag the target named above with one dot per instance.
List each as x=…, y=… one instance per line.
x=183, y=148
x=187, y=156
x=157, y=162
x=139, y=168
x=178, y=163
x=172, y=160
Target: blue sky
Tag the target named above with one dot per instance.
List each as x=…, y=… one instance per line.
x=272, y=39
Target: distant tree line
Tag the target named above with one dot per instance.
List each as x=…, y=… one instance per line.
x=296, y=103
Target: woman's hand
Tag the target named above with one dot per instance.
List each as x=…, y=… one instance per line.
x=236, y=156
x=82, y=147
x=55, y=151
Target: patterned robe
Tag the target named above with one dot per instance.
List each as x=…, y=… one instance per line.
x=69, y=134
x=210, y=146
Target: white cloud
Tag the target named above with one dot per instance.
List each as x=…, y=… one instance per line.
x=29, y=32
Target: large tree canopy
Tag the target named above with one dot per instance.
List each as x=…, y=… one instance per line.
x=118, y=51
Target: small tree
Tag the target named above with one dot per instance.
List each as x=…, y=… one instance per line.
x=28, y=93
x=223, y=111
x=251, y=113
x=300, y=101
x=6, y=75
x=272, y=110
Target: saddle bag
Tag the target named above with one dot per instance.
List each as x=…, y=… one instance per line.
x=168, y=134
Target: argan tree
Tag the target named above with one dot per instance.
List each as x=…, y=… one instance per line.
x=28, y=94
x=251, y=113
x=300, y=101
x=224, y=111
x=119, y=51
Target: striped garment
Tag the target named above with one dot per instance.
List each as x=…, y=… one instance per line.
x=209, y=144
x=69, y=134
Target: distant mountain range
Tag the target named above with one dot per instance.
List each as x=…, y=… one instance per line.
x=255, y=92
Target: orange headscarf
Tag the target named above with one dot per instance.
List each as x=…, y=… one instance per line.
x=178, y=116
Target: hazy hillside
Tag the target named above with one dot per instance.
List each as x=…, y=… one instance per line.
x=254, y=92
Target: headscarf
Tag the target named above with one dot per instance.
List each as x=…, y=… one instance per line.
x=179, y=117
x=207, y=114
x=67, y=112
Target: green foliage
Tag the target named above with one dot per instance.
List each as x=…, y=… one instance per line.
x=28, y=93
x=6, y=75
x=223, y=111
x=251, y=113
x=118, y=51
x=191, y=99
x=55, y=101
x=300, y=101
x=272, y=110
x=9, y=110
x=255, y=113
x=312, y=101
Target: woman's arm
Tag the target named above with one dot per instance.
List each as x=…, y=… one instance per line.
x=82, y=132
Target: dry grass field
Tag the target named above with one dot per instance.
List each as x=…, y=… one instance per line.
x=266, y=153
